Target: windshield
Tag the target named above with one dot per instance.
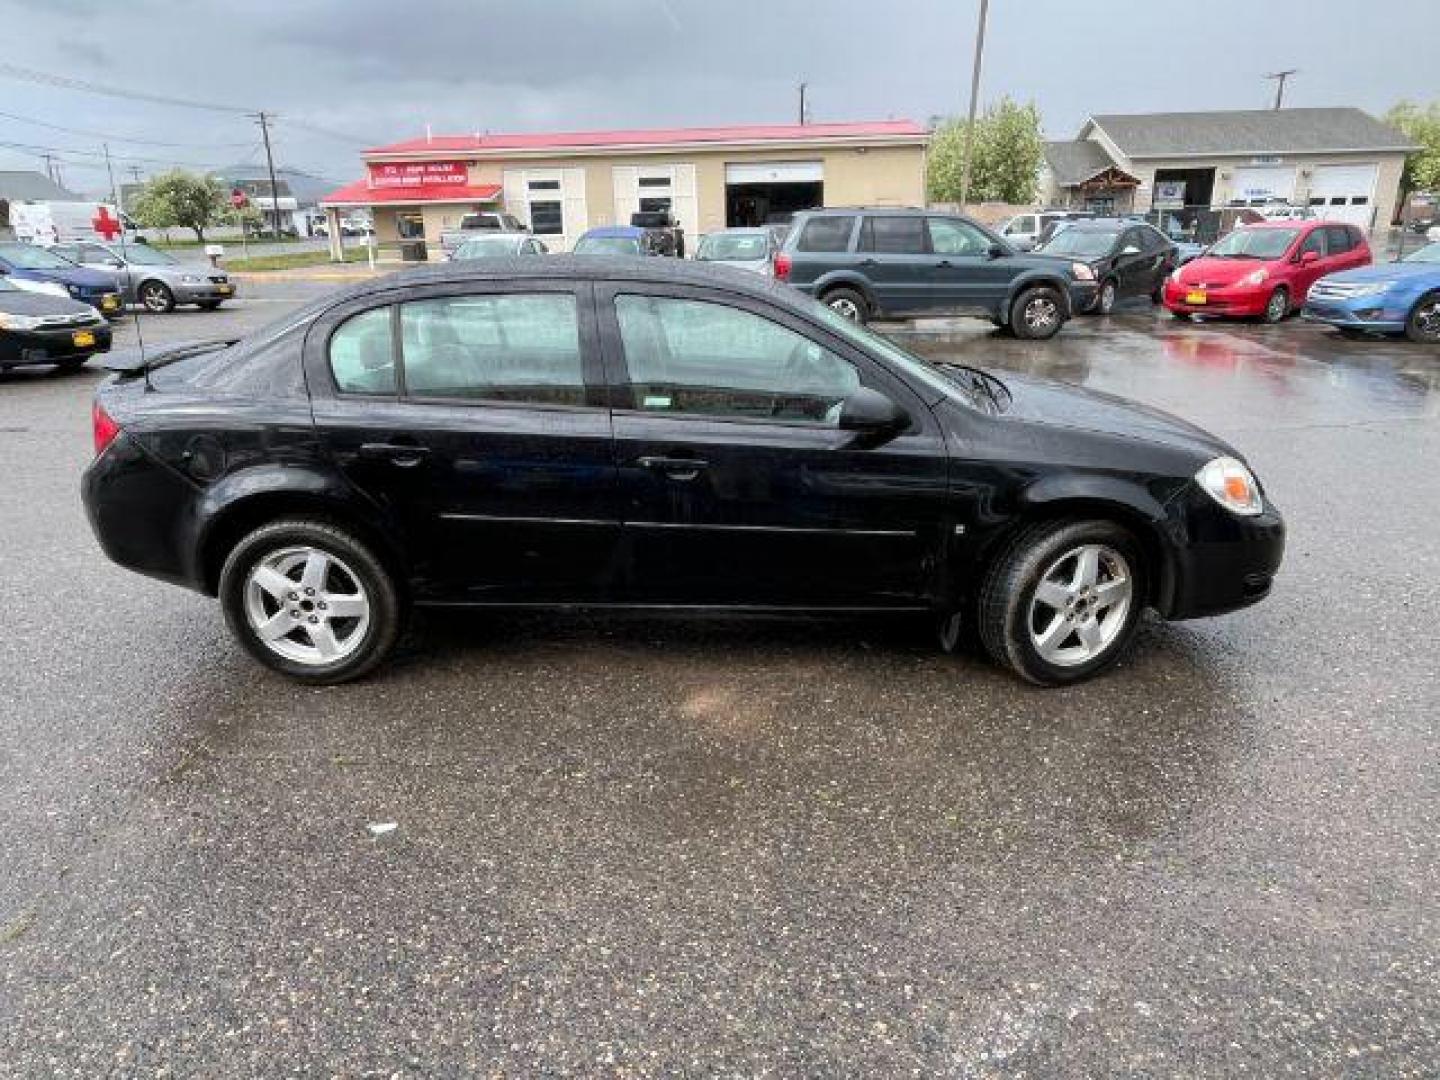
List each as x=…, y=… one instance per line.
x=1254, y=244
x=734, y=247
x=907, y=362
x=145, y=255
x=607, y=245
x=1430, y=253
x=29, y=257
x=486, y=247
x=1086, y=243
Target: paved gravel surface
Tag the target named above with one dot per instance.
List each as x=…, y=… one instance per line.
x=642, y=847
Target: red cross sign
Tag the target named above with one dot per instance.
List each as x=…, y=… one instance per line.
x=105, y=225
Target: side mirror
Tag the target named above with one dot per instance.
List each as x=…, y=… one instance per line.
x=872, y=412
x=1130, y=249
x=995, y=251
x=1308, y=257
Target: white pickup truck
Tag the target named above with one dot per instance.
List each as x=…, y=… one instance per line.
x=478, y=223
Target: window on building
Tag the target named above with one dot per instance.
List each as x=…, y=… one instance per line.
x=655, y=181
x=512, y=347
x=654, y=204
x=410, y=225
x=544, y=185
x=826, y=234
x=892, y=235
x=547, y=218
x=362, y=354
x=699, y=358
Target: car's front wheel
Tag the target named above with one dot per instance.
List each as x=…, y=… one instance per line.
x=156, y=296
x=1424, y=322
x=1061, y=603
x=1037, y=314
x=311, y=600
x=1105, y=299
x=1278, y=306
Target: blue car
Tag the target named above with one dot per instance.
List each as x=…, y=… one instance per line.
x=26, y=262
x=616, y=240
x=1385, y=298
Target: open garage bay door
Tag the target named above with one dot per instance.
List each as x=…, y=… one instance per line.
x=1344, y=193
x=769, y=192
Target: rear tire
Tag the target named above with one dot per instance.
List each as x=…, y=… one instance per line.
x=1423, y=325
x=1037, y=314
x=1051, y=620
x=1105, y=298
x=848, y=304
x=1278, y=306
x=283, y=588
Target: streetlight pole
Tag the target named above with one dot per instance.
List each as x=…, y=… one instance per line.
x=974, y=98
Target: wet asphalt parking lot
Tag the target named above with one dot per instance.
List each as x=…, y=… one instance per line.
x=640, y=847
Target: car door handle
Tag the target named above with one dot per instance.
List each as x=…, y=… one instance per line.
x=676, y=468
x=944, y=263
x=868, y=262
x=405, y=455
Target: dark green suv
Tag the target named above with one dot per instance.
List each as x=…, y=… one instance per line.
x=866, y=263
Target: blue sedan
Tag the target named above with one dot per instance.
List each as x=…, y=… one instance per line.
x=1386, y=298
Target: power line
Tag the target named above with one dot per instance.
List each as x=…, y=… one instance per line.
x=68, y=152
x=315, y=129
x=65, y=82
x=117, y=138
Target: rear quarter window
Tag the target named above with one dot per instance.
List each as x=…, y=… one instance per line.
x=826, y=234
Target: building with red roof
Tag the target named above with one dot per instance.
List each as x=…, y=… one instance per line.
x=560, y=184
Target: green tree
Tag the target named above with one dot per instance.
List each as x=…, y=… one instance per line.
x=181, y=199
x=1421, y=125
x=1009, y=150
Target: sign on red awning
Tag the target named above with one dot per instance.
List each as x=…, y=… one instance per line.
x=418, y=173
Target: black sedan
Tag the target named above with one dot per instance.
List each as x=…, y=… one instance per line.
x=614, y=432
x=1129, y=258
x=37, y=328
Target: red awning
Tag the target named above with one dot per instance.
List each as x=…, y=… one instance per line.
x=360, y=193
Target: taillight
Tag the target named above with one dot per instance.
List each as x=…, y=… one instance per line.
x=104, y=427
x=782, y=267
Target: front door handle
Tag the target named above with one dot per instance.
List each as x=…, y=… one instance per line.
x=405, y=455
x=868, y=262
x=676, y=468
x=946, y=263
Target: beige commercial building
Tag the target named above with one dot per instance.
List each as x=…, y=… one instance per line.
x=560, y=185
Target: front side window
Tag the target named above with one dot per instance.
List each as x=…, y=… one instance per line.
x=826, y=234
x=950, y=236
x=892, y=235
x=1314, y=242
x=547, y=218
x=513, y=347
x=700, y=358
x=362, y=354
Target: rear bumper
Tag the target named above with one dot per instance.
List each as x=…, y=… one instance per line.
x=1223, y=562
x=20, y=347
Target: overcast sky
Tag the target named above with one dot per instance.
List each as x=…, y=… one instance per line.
x=379, y=70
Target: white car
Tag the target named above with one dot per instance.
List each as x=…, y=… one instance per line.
x=1433, y=233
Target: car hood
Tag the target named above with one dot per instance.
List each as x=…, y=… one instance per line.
x=92, y=279
x=1211, y=271
x=1385, y=272
x=1062, y=405
x=20, y=302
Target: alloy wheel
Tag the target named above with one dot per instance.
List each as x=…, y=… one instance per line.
x=1427, y=320
x=1107, y=298
x=154, y=298
x=1275, y=307
x=1081, y=604
x=846, y=308
x=306, y=605
x=1041, y=313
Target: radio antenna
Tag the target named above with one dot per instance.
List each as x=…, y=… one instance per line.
x=125, y=257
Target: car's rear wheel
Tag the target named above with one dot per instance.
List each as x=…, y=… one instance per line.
x=311, y=600
x=848, y=304
x=1278, y=306
x=1424, y=322
x=1037, y=314
x=156, y=296
x=1061, y=603
x=1105, y=299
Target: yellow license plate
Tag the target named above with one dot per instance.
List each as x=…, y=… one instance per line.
x=225, y=290
x=1195, y=297
x=82, y=338
x=109, y=301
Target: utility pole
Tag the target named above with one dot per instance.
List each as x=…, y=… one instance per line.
x=49, y=168
x=270, y=164
x=974, y=98
x=1280, y=77
x=803, y=87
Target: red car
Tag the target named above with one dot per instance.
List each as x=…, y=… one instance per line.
x=1265, y=269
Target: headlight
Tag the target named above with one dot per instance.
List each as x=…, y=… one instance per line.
x=1257, y=278
x=190, y=279
x=1082, y=271
x=1231, y=484
x=19, y=322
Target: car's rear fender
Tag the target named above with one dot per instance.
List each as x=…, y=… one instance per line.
x=843, y=279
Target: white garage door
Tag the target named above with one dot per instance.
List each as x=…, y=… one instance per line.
x=1344, y=193
x=1256, y=185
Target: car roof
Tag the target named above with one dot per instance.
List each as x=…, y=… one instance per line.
x=1102, y=224
x=615, y=230
x=490, y=234
x=889, y=211
x=743, y=230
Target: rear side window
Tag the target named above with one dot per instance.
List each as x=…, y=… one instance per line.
x=513, y=347
x=892, y=235
x=826, y=234
x=1338, y=237
x=362, y=354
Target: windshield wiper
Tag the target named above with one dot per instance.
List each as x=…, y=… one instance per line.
x=981, y=383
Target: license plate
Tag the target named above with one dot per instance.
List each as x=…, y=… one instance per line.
x=1195, y=296
x=109, y=302
x=225, y=290
x=82, y=338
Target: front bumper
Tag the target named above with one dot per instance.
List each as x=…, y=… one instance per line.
x=190, y=293
x=21, y=347
x=1360, y=313
x=1237, y=303
x=1222, y=561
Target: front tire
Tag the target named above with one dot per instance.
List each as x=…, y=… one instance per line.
x=1062, y=602
x=156, y=296
x=1037, y=314
x=848, y=304
x=1423, y=325
x=310, y=600
x=1278, y=306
